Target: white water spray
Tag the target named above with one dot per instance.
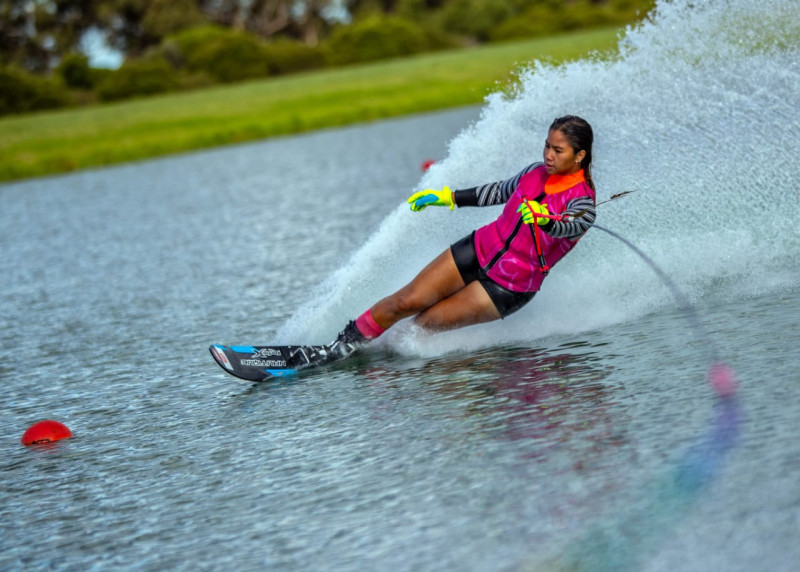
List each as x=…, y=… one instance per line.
x=698, y=113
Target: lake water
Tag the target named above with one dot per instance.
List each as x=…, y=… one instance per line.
x=579, y=434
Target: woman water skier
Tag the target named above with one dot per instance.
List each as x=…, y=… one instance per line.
x=498, y=268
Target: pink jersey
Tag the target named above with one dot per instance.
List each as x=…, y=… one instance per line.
x=505, y=247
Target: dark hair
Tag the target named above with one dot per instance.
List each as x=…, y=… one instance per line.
x=580, y=136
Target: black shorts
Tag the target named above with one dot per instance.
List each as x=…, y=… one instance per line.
x=506, y=301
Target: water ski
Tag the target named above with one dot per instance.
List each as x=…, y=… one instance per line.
x=261, y=363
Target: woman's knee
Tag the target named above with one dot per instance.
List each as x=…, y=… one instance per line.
x=407, y=302
x=429, y=321
x=470, y=306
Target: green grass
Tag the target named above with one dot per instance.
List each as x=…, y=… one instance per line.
x=57, y=142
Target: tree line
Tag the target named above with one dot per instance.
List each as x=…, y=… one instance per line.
x=185, y=44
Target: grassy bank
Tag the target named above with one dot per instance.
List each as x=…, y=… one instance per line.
x=57, y=142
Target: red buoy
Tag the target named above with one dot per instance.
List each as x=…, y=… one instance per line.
x=722, y=379
x=427, y=164
x=45, y=432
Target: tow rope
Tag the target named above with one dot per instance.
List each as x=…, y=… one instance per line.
x=720, y=376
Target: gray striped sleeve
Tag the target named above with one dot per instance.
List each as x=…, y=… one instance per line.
x=583, y=210
x=498, y=193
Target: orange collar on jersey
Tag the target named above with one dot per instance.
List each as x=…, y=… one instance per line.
x=559, y=183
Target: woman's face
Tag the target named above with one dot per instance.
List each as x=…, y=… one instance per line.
x=559, y=157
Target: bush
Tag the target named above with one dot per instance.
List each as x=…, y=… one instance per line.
x=473, y=18
x=627, y=11
x=537, y=22
x=376, y=37
x=21, y=92
x=234, y=58
x=137, y=78
x=554, y=16
x=542, y=20
x=164, y=17
x=179, y=48
x=224, y=55
x=415, y=10
x=286, y=56
x=99, y=75
x=75, y=71
x=440, y=40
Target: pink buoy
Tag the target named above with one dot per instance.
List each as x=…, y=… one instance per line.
x=45, y=432
x=722, y=379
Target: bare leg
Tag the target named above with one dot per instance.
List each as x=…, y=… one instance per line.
x=439, y=297
x=470, y=305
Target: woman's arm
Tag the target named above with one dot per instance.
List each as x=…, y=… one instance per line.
x=583, y=210
x=492, y=193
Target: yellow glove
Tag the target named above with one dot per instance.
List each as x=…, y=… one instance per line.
x=531, y=208
x=428, y=197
